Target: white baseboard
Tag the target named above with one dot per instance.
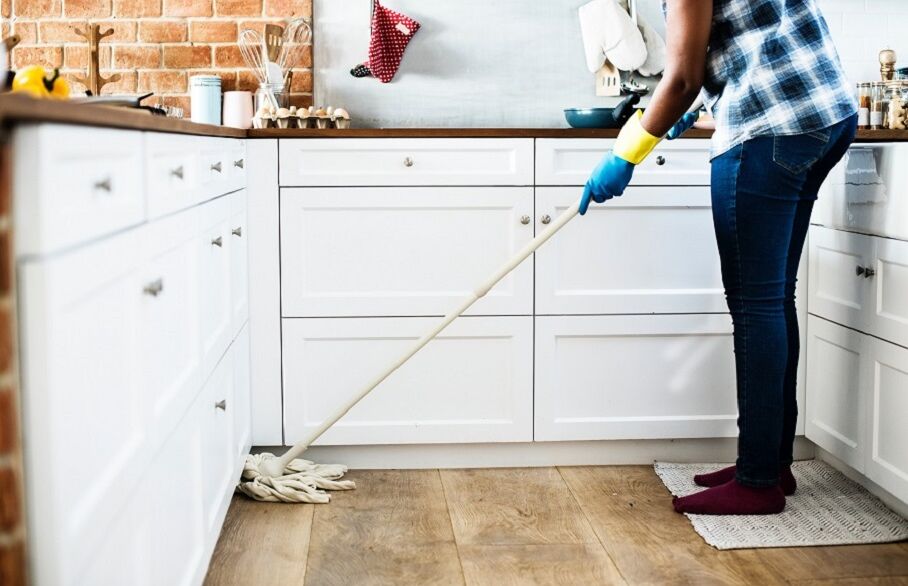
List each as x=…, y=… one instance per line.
x=892, y=502
x=533, y=454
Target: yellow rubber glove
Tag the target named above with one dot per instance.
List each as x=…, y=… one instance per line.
x=634, y=142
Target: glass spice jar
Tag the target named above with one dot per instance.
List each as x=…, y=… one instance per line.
x=863, y=105
x=877, y=93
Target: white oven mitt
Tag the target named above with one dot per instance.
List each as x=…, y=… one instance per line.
x=655, y=46
x=609, y=33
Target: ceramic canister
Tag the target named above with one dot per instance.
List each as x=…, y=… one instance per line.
x=205, y=99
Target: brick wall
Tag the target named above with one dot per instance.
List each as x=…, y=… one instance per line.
x=157, y=44
x=12, y=521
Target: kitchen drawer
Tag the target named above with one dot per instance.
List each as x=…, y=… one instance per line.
x=406, y=161
x=410, y=251
x=74, y=184
x=219, y=453
x=172, y=173
x=213, y=245
x=569, y=161
x=471, y=384
x=652, y=251
x=836, y=397
x=237, y=164
x=887, y=386
x=867, y=191
x=634, y=377
x=888, y=300
x=239, y=258
x=838, y=288
x=242, y=395
x=215, y=166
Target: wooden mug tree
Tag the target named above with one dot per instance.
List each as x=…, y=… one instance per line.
x=93, y=81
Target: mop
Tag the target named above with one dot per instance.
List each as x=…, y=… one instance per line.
x=267, y=477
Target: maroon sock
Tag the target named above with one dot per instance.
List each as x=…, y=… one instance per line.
x=732, y=498
x=786, y=479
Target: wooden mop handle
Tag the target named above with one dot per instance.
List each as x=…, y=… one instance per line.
x=300, y=446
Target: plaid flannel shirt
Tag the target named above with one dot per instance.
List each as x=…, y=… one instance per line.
x=772, y=70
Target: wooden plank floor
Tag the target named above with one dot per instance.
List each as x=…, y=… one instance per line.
x=577, y=526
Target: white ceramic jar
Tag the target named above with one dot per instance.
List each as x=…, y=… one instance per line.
x=205, y=99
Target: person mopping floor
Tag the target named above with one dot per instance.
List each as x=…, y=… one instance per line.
x=785, y=115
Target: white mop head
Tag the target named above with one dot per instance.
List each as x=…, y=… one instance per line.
x=302, y=481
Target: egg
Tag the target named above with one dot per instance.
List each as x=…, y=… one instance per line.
x=341, y=113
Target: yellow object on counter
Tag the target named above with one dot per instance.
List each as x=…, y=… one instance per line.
x=35, y=81
x=634, y=143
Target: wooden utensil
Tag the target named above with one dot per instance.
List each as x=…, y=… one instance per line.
x=93, y=80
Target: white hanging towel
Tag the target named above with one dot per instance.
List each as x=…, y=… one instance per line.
x=655, y=45
x=609, y=33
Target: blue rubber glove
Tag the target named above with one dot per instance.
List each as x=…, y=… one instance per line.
x=608, y=180
x=681, y=126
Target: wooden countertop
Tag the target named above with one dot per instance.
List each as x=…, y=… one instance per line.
x=16, y=109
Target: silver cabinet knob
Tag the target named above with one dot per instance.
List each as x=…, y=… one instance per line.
x=524, y=220
x=239, y=163
x=859, y=270
x=660, y=160
x=869, y=272
x=408, y=162
x=238, y=231
x=216, y=167
x=545, y=219
x=154, y=288
x=104, y=185
x=178, y=172
x=222, y=405
x=217, y=242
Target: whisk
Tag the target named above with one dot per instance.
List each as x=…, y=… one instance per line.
x=297, y=32
x=251, y=47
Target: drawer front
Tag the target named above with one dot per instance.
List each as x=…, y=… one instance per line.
x=570, y=161
x=838, y=288
x=215, y=166
x=391, y=161
x=887, y=379
x=239, y=254
x=889, y=299
x=651, y=251
x=402, y=251
x=471, y=384
x=836, y=401
x=74, y=184
x=867, y=191
x=171, y=173
x=214, y=272
x=218, y=455
x=634, y=377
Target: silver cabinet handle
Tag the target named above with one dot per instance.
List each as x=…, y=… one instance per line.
x=859, y=270
x=154, y=288
x=238, y=231
x=178, y=172
x=239, y=163
x=660, y=160
x=216, y=167
x=869, y=272
x=545, y=219
x=104, y=185
x=222, y=405
x=524, y=220
x=219, y=242
x=408, y=162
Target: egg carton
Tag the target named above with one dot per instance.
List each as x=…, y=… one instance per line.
x=311, y=117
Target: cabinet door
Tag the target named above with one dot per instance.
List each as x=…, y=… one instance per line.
x=652, y=251
x=837, y=284
x=402, y=251
x=169, y=325
x=242, y=402
x=888, y=307
x=634, y=377
x=82, y=398
x=887, y=383
x=214, y=272
x=471, y=384
x=835, y=399
x=239, y=272
x=177, y=476
x=219, y=451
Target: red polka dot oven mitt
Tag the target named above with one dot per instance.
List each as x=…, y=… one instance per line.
x=391, y=33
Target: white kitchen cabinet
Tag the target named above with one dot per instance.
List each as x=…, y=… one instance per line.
x=651, y=251
x=569, y=162
x=214, y=288
x=406, y=161
x=634, y=377
x=886, y=379
x=838, y=285
x=219, y=453
x=242, y=391
x=385, y=251
x=239, y=258
x=836, y=393
x=471, y=384
x=172, y=173
x=888, y=307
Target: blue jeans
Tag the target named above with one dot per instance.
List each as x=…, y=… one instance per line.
x=762, y=194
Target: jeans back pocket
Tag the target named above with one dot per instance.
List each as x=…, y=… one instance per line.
x=796, y=153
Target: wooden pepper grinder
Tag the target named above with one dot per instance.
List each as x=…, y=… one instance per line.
x=93, y=81
x=887, y=64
